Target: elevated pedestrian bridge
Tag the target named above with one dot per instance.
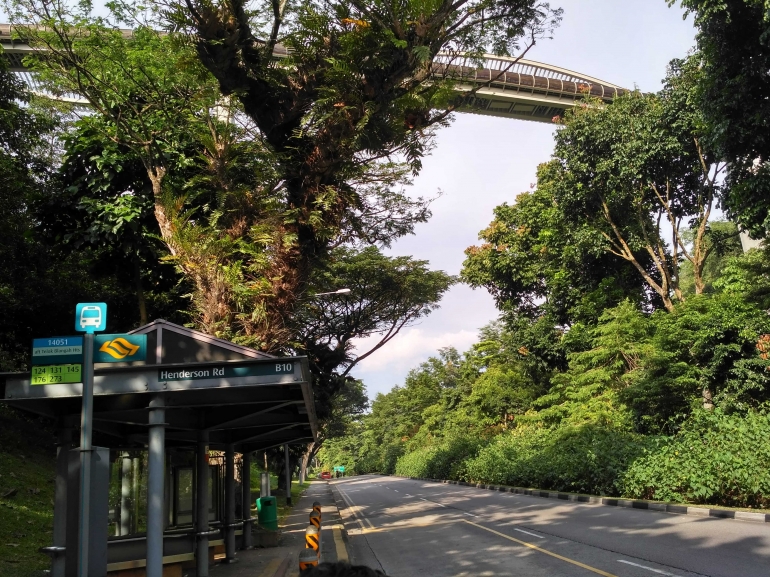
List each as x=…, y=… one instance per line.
x=501, y=86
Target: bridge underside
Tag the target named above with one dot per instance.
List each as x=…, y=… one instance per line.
x=497, y=86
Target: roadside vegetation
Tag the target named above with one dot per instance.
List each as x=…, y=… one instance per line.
x=631, y=353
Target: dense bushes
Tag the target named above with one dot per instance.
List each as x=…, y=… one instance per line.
x=585, y=459
x=447, y=460
x=714, y=459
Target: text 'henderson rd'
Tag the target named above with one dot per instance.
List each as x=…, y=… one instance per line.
x=260, y=370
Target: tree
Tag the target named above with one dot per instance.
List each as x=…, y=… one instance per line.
x=39, y=284
x=638, y=164
x=537, y=261
x=734, y=91
x=386, y=294
x=706, y=353
x=355, y=90
x=724, y=238
x=102, y=203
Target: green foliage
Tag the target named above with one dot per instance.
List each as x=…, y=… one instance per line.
x=748, y=275
x=733, y=90
x=445, y=460
x=702, y=353
x=715, y=459
x=723, y=241
x=634, y=170
x=583, y=459
x=27, y=464
x=536, y=260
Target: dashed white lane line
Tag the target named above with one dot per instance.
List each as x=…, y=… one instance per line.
x=396, y=490
x=528, y=533
x=471, y=514
x=658, y=571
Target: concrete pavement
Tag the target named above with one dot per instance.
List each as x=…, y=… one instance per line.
x=408, y=528
x=283, y=561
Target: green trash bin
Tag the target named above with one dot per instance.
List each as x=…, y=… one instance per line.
x=267, y=513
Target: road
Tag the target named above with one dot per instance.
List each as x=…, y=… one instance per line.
x=412, y=528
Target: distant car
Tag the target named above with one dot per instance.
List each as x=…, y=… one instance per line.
x=326, y=475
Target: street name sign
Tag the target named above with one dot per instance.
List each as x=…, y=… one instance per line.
x=225, y=372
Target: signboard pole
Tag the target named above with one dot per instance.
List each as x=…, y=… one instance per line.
x=86, y=437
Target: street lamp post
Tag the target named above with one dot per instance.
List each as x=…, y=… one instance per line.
x=342, y=291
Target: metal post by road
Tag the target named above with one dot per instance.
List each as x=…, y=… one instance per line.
x=64, y=445
x=202, y=505
x=135, y=496
x=288, y=474
x=86, y=438
x=124, y=528
x=156, y=464
x=246, y=542
x=230, y=503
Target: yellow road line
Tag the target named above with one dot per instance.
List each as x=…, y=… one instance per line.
x=410, y=526
x=356, y=510
x=339, y=544
x=536, y=548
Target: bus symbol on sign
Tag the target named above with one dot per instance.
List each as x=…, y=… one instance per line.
x=91, y=317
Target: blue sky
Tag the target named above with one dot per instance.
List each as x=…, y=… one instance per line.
x=481, y=162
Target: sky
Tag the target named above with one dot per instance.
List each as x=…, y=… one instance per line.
x=481, y=162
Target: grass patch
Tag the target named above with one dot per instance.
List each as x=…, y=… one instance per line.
x=27, y=464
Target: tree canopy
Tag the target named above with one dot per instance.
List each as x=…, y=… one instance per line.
x=733, y=89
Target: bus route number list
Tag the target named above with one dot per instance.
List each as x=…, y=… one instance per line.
x=56, y=374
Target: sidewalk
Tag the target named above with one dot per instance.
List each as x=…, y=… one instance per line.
x=283, y=561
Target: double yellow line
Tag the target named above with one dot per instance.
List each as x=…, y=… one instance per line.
x=541, y=550
x=360, y=518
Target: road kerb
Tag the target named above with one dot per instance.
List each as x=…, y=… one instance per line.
x=674, y=508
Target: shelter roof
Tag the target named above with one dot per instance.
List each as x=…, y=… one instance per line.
x=239, y=395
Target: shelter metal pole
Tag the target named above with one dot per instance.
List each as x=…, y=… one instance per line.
x=202, y=505
x=246, y=542
x=60, y=502
x=135, y=496
x=156, y=465
x=288, y=473
x=124, y=528
x=86, y=438
x=230, y=503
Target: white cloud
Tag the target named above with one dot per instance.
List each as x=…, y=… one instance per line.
x=407, y=350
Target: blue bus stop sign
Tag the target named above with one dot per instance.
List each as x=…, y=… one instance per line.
x=91, y=317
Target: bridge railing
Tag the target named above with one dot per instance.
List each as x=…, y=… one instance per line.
x=523, y=76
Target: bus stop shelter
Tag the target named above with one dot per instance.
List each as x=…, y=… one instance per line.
x=173, y=436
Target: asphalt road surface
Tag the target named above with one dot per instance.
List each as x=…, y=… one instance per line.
x=419, y=529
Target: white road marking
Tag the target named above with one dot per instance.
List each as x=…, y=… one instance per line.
x=408, y=495
x=528, y=533
x=434, y=502
x=396, y=490
x=658, y=571
x=471, y=514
